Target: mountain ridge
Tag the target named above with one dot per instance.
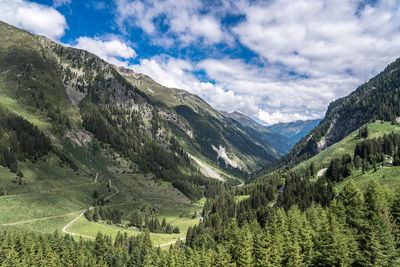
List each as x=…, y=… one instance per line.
x=280, y=142
x=295, y=130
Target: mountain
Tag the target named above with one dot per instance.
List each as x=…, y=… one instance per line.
x=221, y=141
x=294, y=130
x=377, y=99
x=81, y=102
x=278, y=141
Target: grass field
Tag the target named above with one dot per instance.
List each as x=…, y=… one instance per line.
x=83, y=226
x=347, y=145
x=43, y=226
x=53, y=189
x=389, y=177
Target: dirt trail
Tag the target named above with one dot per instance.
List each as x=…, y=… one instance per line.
x=74, y=220
x=83, y=212
x=172, y=242
x=39, y=219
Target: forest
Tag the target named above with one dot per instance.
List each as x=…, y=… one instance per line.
x=20, y=140
x=354, y=229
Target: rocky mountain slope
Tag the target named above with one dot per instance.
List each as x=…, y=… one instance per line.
x=217, y=136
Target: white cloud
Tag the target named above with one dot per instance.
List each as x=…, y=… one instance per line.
x=176, y=73
x=39, y=19
x=311, y=51
x=184, y=19
x=319, y=38
x=57, y=3
x=111, y=49
x=276, y=117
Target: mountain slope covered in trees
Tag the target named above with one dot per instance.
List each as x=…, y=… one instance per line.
x=377, y=99
x=71, y=90
x=208, y=130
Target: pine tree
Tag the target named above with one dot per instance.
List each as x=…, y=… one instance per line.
x=96, y=215
x=12, y=259
x=262, y=251
x=244, y=248
x=357, y=162
x=395, y=207
x=380, y=247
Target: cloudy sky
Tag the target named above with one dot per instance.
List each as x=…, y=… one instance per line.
x=276, y=61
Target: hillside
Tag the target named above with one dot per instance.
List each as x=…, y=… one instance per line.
x=278, y=141
x=294, y=130
x=377, y=99
x=221, y=141
x=347, y=145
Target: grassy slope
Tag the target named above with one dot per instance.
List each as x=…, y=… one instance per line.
x=347, y=145
x=10, y=103
x=54, y=190
x=387, y=176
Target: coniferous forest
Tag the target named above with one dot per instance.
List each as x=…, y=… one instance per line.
x=354, y=229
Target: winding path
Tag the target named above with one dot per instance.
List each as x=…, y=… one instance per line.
x=83, y=212
x=74, y=220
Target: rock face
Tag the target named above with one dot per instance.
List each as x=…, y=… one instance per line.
x=221, y=151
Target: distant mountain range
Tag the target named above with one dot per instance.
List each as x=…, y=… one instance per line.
x=294, y=130
x=279, y=141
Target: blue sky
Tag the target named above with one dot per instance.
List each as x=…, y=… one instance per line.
x=277, y=60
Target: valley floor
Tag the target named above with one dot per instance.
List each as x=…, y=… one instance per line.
x=54, y=198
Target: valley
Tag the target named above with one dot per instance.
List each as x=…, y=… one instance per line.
x=103, y=166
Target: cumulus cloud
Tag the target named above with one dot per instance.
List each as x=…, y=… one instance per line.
x=320, y=38
x=39, y=19
x=111, y=49
x=177, y=73
x=182, y=18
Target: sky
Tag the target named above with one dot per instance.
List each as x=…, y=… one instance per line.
x=273, y=60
